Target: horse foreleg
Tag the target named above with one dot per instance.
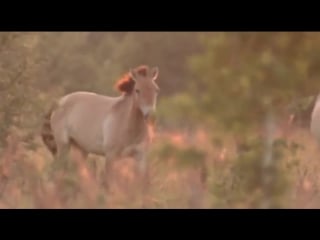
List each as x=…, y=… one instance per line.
x=138, y=153
x=142, y=164
x=142, y=171
x=107, y=171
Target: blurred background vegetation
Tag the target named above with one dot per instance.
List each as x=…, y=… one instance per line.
x=224, y=138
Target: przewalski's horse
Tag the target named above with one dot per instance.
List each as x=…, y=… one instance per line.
x=109, y=126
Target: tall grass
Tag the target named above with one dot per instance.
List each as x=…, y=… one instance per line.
x=186, y=170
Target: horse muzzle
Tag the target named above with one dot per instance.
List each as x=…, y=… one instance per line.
x=147, y=111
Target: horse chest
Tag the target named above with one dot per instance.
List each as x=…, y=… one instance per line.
x=117, y=135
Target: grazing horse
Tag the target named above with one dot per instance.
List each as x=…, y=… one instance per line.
x=108, y=126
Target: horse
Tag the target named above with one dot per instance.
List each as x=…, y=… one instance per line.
x=112, y=127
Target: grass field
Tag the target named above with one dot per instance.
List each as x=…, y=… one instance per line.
x=185, y=171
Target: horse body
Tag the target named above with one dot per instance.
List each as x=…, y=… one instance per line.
x=90, y=120
x=104, y=125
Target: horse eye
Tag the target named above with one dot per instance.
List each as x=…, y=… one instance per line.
x=137, y=91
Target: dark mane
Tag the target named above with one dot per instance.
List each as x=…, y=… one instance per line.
x=126, y=83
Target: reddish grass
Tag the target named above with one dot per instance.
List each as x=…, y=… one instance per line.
x=25, y=182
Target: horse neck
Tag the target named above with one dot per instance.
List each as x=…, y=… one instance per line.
x=135, y=121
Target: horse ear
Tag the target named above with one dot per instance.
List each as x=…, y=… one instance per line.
x=154, y=73
x=132, y=74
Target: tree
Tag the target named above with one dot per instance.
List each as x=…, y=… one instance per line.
x=245, y=80
x=19, y=71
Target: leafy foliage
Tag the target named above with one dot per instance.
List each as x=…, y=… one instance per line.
x=241, y=75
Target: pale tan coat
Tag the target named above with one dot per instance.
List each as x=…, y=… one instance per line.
x=109, y=126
